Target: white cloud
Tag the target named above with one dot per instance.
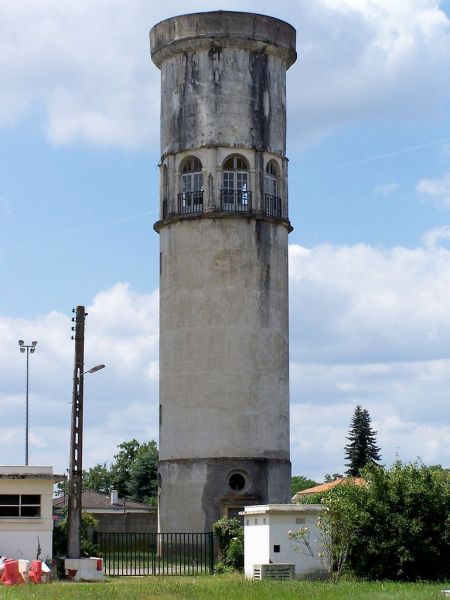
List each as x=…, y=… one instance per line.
x=368, y=326
x=5, y=208
x=432, y=237
x=85, y=68
x=120, y=401
x=437, y=188
x=385, y=189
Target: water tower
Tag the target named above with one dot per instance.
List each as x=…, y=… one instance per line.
x=223, y=227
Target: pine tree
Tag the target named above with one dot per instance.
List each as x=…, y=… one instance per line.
x=362, y=448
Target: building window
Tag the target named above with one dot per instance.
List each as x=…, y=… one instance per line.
x=276, y=548
x=190, y=200
x=235, y=195
x=20, y=505
x=272, y=201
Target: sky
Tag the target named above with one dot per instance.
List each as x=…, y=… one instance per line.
x=369, y=194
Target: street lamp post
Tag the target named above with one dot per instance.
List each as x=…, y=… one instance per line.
x=28, y=348
x=76, y=439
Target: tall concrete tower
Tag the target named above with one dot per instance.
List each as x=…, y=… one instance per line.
x=224, y=379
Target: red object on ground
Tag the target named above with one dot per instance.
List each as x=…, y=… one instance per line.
x=11, y=574
x=35, y=572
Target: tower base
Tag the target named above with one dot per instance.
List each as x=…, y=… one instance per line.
x=194, y=493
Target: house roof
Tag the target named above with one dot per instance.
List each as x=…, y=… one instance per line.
x=96, y=500
x=324, y=487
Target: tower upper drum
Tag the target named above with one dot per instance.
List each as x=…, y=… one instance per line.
x=223, y=80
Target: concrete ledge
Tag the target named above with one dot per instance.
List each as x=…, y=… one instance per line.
x=225, y=28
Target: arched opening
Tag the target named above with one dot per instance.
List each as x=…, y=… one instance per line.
x=190, y=200
x=272, y=200
x=235, y=194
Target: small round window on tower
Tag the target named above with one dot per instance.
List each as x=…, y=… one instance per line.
x=237, y=482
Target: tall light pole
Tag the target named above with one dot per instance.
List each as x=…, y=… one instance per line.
x=76, y=438
x=28, y=348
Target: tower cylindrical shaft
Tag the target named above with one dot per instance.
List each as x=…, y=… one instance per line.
x=224, y=347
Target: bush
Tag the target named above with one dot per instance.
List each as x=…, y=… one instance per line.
x=60, y=536
x=230, y=535
x=397, y=526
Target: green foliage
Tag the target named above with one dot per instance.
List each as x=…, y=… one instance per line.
x=142, y=482
x=88, y=522
x=234, y=555
x=329, y=477
x=300, y=482
x=230, y=535
x=404, y=526
x=362, y=449
x=133, y=473
x=98, y=479
x=396, y=527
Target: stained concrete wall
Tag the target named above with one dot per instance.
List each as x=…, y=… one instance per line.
x=224, y=348
x=223, y=80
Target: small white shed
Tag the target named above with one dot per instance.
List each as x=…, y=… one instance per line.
x=266, y=541
x=26, y=519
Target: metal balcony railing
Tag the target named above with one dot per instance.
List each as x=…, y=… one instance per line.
x=190, y=202
x=236, y=200
x=272, y=206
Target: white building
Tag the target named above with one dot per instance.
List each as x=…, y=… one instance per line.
x=26, y=521
x=266, y=540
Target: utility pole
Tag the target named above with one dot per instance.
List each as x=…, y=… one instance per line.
x=76, y=441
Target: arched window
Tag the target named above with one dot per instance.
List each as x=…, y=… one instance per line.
x=235, y=193
x=272, y=201
x=191, y=198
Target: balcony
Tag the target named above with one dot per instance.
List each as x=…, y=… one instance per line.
x=272, y=206
x=235, y=200
x=190, y=203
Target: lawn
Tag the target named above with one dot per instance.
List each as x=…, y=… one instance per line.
x=223, y=587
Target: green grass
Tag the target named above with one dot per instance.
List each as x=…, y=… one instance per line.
x=223, y=587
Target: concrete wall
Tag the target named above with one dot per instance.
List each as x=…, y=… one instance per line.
x=224, y=348
x=128, y=522
x=20, y=537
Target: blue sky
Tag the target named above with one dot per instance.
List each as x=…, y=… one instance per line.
x=369, y=151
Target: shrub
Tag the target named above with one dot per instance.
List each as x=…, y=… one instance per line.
x=230, y=535
x=395, y=527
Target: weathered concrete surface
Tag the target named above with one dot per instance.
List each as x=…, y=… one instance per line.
x=223, y=80
x=224, y=348
x=224, y=339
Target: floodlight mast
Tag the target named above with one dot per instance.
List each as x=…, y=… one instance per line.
x=28, y=348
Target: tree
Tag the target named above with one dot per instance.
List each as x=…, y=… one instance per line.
x=330, y=477
x=98, y=479
x=362, y=449
x=142, y=483
x=300, y=482
x=133, y=473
